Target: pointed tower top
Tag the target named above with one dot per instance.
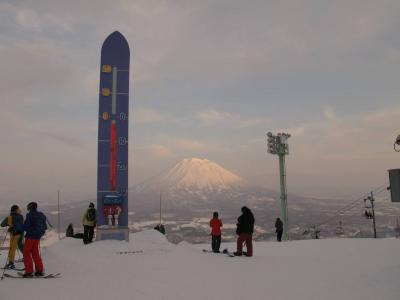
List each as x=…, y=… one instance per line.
x=115, y=50
x=116, y=38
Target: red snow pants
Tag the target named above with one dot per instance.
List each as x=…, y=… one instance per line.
x=31, y=250
x=245, y=237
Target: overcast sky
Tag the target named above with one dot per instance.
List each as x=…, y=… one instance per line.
x=208, y=80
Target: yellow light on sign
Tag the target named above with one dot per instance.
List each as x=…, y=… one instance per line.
x=105, y=91
x=105, y=116
x=106, y=68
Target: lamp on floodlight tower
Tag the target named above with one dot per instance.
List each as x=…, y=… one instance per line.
x=277, y=144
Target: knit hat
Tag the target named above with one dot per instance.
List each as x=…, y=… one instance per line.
x=31, y=206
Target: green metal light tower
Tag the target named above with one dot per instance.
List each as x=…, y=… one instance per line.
x=277, y=144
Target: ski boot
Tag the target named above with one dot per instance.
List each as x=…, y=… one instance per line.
x=10, y=266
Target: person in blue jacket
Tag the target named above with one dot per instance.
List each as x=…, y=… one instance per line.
x=35, y=227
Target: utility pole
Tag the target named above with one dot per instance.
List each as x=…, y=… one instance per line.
x=160, y=208
x=277, y=144
x=58, y=215
x=371, y=199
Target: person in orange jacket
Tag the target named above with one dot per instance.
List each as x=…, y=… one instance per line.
x=15, y=227
x=215, y=224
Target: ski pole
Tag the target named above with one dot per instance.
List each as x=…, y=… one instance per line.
x=4, y=240
x=4, y=270
x=19, y=253
x=9, y=249
x=48, y=222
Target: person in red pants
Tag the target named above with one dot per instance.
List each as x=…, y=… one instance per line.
x=35, y=226
x=245, y=228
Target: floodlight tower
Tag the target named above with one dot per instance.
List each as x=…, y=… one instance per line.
x=277, y=144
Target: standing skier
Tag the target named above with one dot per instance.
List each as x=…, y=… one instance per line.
x=278, y=229
x=35, y=227
x=244, y=230
x=15, y=223
x=215, y=224
x=89, y=222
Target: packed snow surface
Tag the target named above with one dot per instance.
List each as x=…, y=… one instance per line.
x=302, y=270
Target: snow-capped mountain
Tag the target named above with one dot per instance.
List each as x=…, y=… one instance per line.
x=194, y=174
x=191, y=182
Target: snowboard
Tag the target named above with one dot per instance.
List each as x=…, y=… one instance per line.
x=46, y=276
x=210, y=251
x=230, y=254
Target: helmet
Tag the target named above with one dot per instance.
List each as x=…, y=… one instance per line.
x=31, y=206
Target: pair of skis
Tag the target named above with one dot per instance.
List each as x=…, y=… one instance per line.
x=20, y=275
x=130, y=252
x=225, y=251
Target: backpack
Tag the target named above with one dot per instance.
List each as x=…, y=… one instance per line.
x=39, y=224
x=91, y=215
x=17, y=224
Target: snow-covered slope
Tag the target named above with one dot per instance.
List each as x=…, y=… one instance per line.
x=348, y=269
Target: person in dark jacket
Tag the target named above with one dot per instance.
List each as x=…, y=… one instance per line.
x=15, y=227
x=278, y=229
x=34, y=226
x=160, y=228
x=70, y=230
x=245, y=229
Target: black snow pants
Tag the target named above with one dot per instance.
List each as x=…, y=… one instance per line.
x=215, y=242
x=279, y=235
x=88, y=232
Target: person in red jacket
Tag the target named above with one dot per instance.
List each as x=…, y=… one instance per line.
x=215, y=224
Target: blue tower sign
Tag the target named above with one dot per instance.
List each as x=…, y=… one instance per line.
x=112, y=167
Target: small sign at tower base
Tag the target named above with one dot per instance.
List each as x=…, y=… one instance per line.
x=112, y=233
